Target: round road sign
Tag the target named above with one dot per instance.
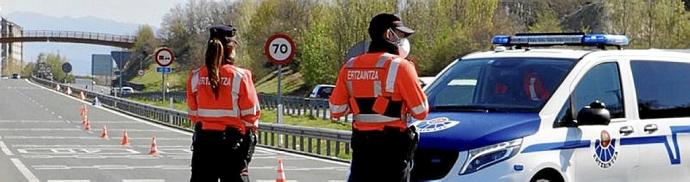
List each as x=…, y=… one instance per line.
x=140, y=72
x=164, y=56
x=280, y=49
x=66, y=67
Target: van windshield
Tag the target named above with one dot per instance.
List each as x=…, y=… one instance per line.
x=498, y=85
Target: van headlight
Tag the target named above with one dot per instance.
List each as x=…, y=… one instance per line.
x=483, y=157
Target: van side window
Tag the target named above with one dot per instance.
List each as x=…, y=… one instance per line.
x=662, y=89
x=601, y=83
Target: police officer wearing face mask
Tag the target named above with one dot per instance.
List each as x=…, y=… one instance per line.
x=380, y=89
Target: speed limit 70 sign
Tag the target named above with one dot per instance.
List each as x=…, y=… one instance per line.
x=280, y=49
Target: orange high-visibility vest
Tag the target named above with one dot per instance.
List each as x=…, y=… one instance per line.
x=236, y=104
x=379, y=89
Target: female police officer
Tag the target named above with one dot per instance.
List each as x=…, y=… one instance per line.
x=224, y=109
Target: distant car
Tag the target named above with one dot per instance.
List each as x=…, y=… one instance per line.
x=125, y=90
x=16, y=76
x=5, y=78
x=322, y=91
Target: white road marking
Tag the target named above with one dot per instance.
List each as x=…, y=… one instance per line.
x=5, y=149
x=75, y=129
x=62, y=180
x=273, y=180
x=92, y=138
x=25, y=171
x=143, y=180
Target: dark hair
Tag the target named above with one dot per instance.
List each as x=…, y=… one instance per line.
x=214, y=58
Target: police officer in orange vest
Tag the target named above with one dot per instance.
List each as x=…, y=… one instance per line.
x=224, y=109
x=380, y=89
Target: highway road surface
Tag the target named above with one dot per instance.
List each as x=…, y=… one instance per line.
x=42, y=139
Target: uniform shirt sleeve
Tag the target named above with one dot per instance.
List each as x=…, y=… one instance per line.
x=191, y=99
x=250, y=111
x=338, y=102
x=411, y=92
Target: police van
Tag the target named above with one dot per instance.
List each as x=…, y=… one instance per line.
x=528, y=113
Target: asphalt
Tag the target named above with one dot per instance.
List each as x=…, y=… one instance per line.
x=42, y=139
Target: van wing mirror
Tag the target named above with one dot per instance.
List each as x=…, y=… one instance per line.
x=594, y=114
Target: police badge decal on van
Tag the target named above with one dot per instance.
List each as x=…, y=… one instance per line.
x=433, y=125
x=605, y=153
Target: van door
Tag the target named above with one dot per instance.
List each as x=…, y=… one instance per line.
x=663, y=101
x=604, y=159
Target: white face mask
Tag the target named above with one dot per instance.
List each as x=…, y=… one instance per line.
x=403, y=44
x=404, y=48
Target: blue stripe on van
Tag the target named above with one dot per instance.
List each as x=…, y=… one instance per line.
x=660, y=139
x=573, y=144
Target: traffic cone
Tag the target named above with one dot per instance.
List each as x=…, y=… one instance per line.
x=125, y=139
x=154, y=148
x=69, y=91
x=82, y=96
x=57, y=87
x=104, y=133
x=281, y=173
x=84, y=119
x=87, y=126
x=81, y=111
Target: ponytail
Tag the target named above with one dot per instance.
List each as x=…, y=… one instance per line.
x=214, y=57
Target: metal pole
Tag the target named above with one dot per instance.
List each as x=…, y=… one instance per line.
x=163, y=85
x=280, y=94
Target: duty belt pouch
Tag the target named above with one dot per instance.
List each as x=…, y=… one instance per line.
x=380, y=105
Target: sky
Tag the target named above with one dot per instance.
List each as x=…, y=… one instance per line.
x=125, y=15
x=127, y=11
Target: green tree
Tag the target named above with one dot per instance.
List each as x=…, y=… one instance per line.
x=144, y=47
x=319, y=58
x=546, y=21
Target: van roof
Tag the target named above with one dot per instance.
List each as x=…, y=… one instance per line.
x=575, y=54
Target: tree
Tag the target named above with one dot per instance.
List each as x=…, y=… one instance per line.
x=144, y=47
x=546, y=21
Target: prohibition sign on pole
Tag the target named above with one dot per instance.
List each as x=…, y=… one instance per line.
x=164, y=56
x=280, y=49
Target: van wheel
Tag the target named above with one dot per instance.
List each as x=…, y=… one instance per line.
x=547, y=175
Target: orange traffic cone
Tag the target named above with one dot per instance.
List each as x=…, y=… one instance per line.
x=81, y=111
x=281, y=173
x=154, y=147
x=69, y=91
x=87, y=126
x=82, y=96
x=104, y=133
x=125, y=139
x=84, y=119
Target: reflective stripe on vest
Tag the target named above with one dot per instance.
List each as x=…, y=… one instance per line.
x=250, y=111
x=192, y=112
x=216, y=113
x=374, y=118
x=392, y=73
x=338, y=108
x=236, y=79
x=195, y=79
x=420, y=108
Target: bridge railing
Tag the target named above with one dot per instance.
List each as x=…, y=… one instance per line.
x=74, y=34
x=319, y=142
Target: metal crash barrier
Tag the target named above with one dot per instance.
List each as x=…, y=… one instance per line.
x=319, y=142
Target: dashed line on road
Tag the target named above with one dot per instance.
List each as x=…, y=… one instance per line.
x=62, y=180
x=5, y=149
x=25, y=171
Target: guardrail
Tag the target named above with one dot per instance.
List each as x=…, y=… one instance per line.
x=325, y=143
x=292, y=105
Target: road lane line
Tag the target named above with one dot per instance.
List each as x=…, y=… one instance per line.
x=25, y=171
x=5, y=149
x=62, y=180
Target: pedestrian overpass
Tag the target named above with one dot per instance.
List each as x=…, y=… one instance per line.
x=123, y=41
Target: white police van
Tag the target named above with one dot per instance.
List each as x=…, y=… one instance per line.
x=521, y=113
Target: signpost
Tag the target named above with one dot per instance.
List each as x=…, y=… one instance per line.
x=280, y=49
x=67, y=68
x=164, y=57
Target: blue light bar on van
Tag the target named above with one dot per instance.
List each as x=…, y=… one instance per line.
x=548, y=39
